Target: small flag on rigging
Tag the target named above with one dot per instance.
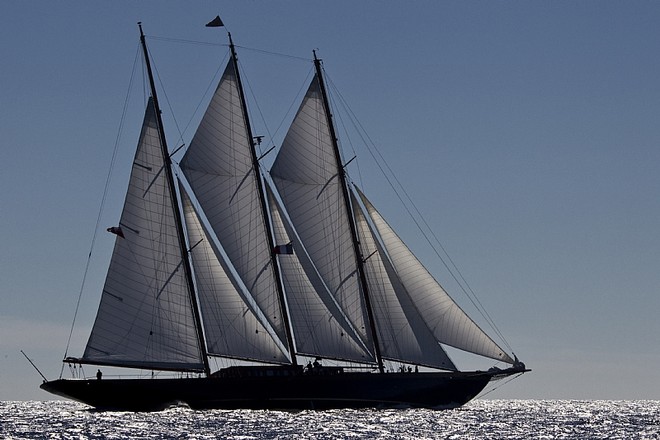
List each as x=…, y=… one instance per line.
x=216, y=22
x=117, y=231
x=283, y=249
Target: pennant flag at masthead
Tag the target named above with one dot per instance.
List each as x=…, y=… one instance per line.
x=216, y=22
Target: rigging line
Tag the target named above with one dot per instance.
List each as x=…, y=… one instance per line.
x=516, y=376
x=271, y=136
x=201, y=100
x=202, y=43
x=179, y=40
x=245, y=80
x=344, y=126
x=278, y=54
x=103, y=200
x=206, y=43
x=213, y=81
x=469, y=292
x=167, y=99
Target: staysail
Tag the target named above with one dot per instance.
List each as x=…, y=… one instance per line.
x=306, y=174
x=449, y=324
x=145, y=319
x=402, y=333
x=218, y=165
x=319, y=326
x=232, y=323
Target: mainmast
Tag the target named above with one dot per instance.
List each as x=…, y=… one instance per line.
x=349, y=209
x=175, y=208
x=264, y=209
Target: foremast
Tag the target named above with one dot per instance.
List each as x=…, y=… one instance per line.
x=264, y=208
x=349, y=209
x=175, y=208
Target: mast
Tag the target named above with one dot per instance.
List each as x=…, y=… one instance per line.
x=264, y=209
x=175, y=206
x=344, y=188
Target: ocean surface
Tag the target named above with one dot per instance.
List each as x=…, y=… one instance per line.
x=480, y=419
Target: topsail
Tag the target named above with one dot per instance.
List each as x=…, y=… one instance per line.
x=218, y=166
x=306, y=173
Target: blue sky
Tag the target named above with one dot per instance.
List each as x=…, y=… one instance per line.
x=526, y=132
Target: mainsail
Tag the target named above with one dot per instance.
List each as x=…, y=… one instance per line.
x=218, y=165
x=145, y=318
x=306, y=174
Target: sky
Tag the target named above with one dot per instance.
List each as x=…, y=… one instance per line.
x=526, y=132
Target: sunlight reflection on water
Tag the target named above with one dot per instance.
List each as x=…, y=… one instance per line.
x=481, y=419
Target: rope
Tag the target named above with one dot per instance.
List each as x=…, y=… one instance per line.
x=277, y=54
x=516, y=376
x=271, y=136
x=206, y=43
x=178, y=40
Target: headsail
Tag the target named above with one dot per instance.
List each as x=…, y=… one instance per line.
x=402, y=333
x=231, y=325
x=319, y=326
x=218, y=166
x=442, y=315
x=306, y=174
x=145, y=319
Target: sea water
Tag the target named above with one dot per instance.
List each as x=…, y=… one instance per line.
x=480, y=419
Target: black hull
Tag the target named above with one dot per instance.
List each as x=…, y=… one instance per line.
x=347, y=390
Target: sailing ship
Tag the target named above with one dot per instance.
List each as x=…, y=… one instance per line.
x=222, y=262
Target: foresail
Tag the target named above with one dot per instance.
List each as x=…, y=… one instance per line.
x=218, y=166
x=402, y=333
x=449, y=324
x=319, y=326
x=306, y=174
x=230, y=319
x=145, y=319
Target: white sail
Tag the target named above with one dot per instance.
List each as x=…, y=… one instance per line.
x=218, y=166
x=402, y=333
x=319, y=326
x=230, y=321
x=442, y=315
x=306, y=174
x=145, y=318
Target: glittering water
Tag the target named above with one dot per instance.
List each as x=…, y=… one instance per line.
x=481, y=419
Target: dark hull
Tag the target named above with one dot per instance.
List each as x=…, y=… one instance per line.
x=347, y=390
